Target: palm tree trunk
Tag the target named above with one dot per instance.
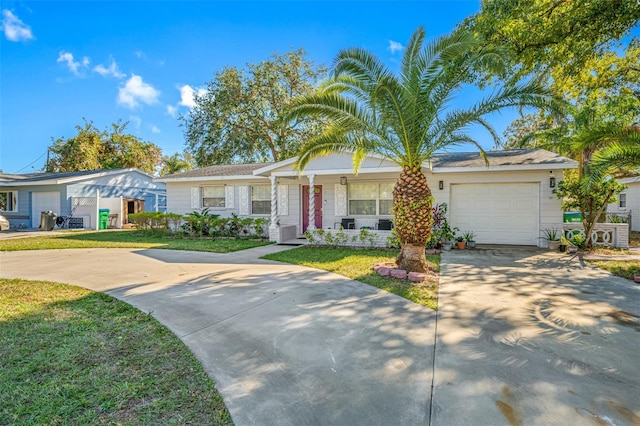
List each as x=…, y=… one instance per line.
x=412, y=203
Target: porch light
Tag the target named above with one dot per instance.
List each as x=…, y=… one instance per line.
x=441, y=184
x=552, y=182
x=343, y=180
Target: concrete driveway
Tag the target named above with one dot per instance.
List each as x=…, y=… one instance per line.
x=286, y=345
x=523, y=336
x=528, y=337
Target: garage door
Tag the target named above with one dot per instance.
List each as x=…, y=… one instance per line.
x=505, y=213
x=42, y=201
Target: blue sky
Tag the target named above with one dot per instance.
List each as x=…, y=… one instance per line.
x=140, y=61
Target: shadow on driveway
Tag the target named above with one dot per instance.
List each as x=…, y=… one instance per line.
x=526, y=336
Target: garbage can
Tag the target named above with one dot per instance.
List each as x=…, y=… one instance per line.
x=571, y=217
x=103, y=218
x=47, y=220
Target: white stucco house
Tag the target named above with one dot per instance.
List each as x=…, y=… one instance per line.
x=508, y=202
x=628, y=202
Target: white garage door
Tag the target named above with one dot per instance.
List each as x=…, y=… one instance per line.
x=503, y=213
x=43, y=201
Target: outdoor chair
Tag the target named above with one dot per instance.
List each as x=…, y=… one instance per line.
x=348, y=223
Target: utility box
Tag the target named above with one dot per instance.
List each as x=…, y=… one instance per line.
x=103, y=218
x=47, y=220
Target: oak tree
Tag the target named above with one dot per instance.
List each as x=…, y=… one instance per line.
x=239, y=117
x=93, y=149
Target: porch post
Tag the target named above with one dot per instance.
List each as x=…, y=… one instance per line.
x=312, y=203
x=274, y=203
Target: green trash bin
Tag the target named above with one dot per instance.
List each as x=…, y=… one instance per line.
x=572, y=217
x=103, y=218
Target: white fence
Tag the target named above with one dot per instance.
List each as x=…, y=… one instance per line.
x=604, y=234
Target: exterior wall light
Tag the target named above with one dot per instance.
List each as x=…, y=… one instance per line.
x=343, y=180
x=552, y=182
x=441, y=184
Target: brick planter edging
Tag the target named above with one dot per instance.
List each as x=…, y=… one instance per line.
x=386, y=269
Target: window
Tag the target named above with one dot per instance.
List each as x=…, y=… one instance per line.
x=370, y=199
x=261, y=199
x=9, y=201
x=386, y=199
x=622, y=201
x=213, y=196
x=362, y=198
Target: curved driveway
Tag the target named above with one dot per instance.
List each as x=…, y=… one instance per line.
x=523, y=336
x=286, y=345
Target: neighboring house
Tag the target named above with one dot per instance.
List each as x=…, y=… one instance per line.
x=80, y=195
x=508, y=202
x=628, y=203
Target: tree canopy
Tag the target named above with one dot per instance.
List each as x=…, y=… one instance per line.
x=239, y=117
x=176, y=163
x=583, y=48
x=92, y=149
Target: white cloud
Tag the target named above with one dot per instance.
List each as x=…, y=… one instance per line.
x=14, y=29
x=136, y=121
x=172, y=110
x=73, y=66
x=136, y=91
x=187, y=95
x=394, y=46
x=155, y=129
x=111, y=71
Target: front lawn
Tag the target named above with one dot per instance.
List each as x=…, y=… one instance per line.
x=356, y=264
x=623, y=268
x=74, y=357
x=128, y=239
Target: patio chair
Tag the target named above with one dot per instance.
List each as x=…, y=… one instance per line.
x=348, y=223
x=385, y=225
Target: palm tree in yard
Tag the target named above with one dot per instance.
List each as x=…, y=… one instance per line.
x=406, y=118
x=620, y=153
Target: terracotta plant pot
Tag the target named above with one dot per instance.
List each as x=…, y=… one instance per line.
x=460, y=245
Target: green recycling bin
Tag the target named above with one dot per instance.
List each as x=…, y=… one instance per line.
x=571, y=217
x=103, y=218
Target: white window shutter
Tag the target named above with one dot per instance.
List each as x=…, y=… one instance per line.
x=243, y=193
x=196, y=198
x=283, y=200
x=228, y=196
x=341, y=199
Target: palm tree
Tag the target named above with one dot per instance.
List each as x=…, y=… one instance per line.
x=406, y=118
x=620, y=155
x=601, y=146
x=176, y=163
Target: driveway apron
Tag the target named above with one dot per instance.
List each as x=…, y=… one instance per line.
x=528, y=337
x=286, y=345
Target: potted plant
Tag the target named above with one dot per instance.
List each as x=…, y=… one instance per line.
x=575, y=242
x=564, y=243
x=552, y=235
x=470, y=238
x=460, y=242
x=447, y=234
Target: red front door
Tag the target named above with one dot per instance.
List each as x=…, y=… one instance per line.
x=305, y=206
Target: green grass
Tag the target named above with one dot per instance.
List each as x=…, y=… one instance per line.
x=356, y=264
x=127, y=239
x=74, y=357
x=622, y=268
